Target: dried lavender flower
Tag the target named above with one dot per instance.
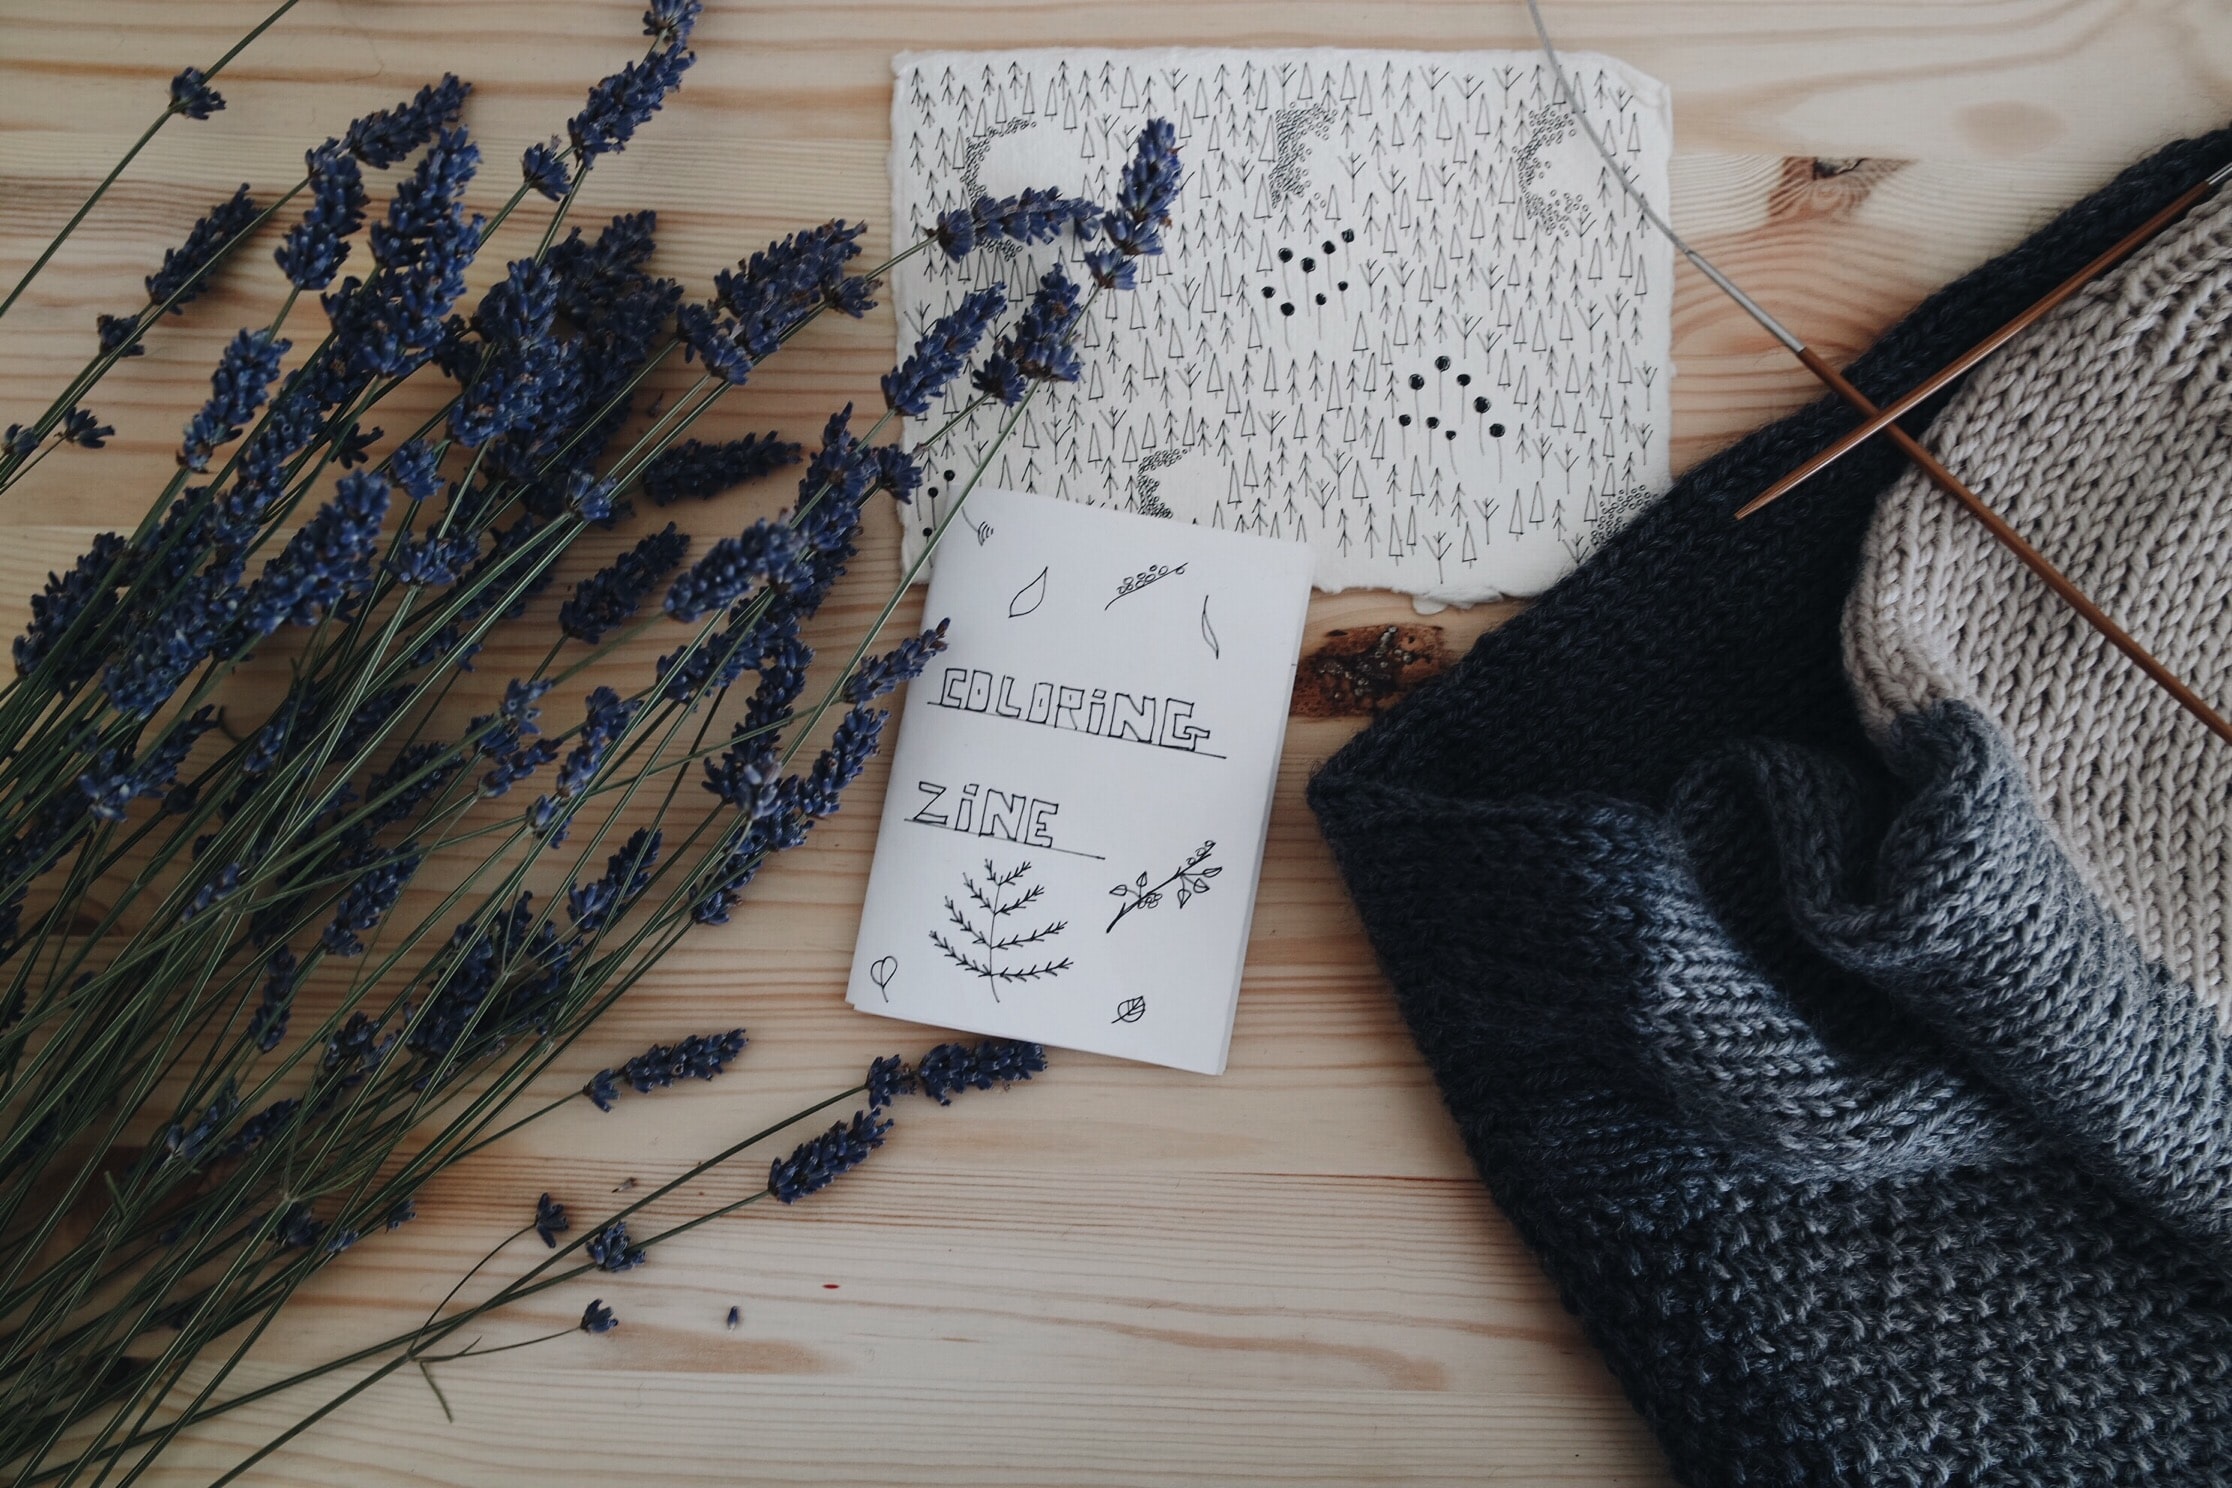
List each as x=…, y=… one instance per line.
x=951, y=1068
x=622, y=103
x=612, y=594
x=236, y=390
x=670, y=22
x=192, y=96
x=888, y=1078
x=1037, y=348
x=544, y=170
x=769, y=551
x=366, y=902
x=57, y=608
x=1149, y=188
x=383, y=138
x=326, y=562
x=81, y=427
x=1031, y=216
x=878, y=675
x=610, y=1248
x=269, y=1025
x=695, y=469
x=595, y=904
x=315, y=248
x=182, y=277
x=550, y=1220
x=598, y=1318
x=942, y=352
x=820, y=1161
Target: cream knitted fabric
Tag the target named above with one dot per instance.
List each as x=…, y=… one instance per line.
x=2105, y=435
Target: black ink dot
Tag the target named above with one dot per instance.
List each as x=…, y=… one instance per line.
x=1495, y=431
x=1403, y=419
x=949, y=475
x=1449, y=433
x=1441, y=364
x=929, y=532
x=1321, y=299
x=1343, y=286
x=932, y=493
x=1309, y=265
x=1432, y=422
x=1417, y=381
x=1326, y=246
x=1464, y=379
x=1480, y=405
x=1268, y=291
x=1286, y=307
x=1348, y=234
x=1286, y=255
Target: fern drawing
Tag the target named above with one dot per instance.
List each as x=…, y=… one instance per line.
x=983, y=948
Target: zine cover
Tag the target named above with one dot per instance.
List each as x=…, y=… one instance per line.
x=1406, y=317
x=1075, y=822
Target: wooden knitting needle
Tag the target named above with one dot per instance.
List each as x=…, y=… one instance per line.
x=1829, y=377
x=2076, y=598
x=2179, y=205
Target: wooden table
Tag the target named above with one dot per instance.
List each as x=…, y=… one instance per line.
x=1117, y=1274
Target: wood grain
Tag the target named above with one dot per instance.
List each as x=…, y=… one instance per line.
x=1114, y=1275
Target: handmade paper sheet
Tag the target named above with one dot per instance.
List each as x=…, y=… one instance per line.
x=1406, y=317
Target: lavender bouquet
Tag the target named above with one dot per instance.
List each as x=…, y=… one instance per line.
x=263, y=977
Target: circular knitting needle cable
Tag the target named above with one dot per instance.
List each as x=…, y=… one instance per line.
x=1944, y=479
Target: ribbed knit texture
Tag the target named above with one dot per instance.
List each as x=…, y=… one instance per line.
x=2105, y=436
x=1865, y=1139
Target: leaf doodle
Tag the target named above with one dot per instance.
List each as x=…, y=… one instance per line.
x=1130, y=1010
x=881, y=971
x=1208, y=633
x=1028, y=598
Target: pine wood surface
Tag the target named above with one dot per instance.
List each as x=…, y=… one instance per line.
x=1116, y=1274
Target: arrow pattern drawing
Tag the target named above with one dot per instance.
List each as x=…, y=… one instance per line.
x=1405, y=316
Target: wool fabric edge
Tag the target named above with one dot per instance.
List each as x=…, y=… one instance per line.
x=1520, y=836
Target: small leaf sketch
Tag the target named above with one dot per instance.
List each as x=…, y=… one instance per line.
x=982, y=945
x=1028, y=598
x=1130, y=1010
x=1207, y=632
x=881, y=971
x=1191, y=879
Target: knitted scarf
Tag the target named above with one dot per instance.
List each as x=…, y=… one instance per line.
x=1819, y=936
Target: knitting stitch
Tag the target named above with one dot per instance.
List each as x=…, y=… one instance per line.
x=1838, y=1084
x=2104, y=435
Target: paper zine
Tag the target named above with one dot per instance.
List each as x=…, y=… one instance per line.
x=1078, y=800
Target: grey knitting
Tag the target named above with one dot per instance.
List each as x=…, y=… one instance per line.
x=2106, y=436
x=1861, y=1123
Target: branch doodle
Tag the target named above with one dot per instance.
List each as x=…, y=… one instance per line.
x=1191, y=878
x=983, y=945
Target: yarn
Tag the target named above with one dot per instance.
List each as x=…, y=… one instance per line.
x=2105, y=435
x=1866, y=1131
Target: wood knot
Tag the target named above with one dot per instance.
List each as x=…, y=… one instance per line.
x=1357, y=673
x=1815, y=186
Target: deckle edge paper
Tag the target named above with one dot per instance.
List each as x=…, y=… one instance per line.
x=1406, y=317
